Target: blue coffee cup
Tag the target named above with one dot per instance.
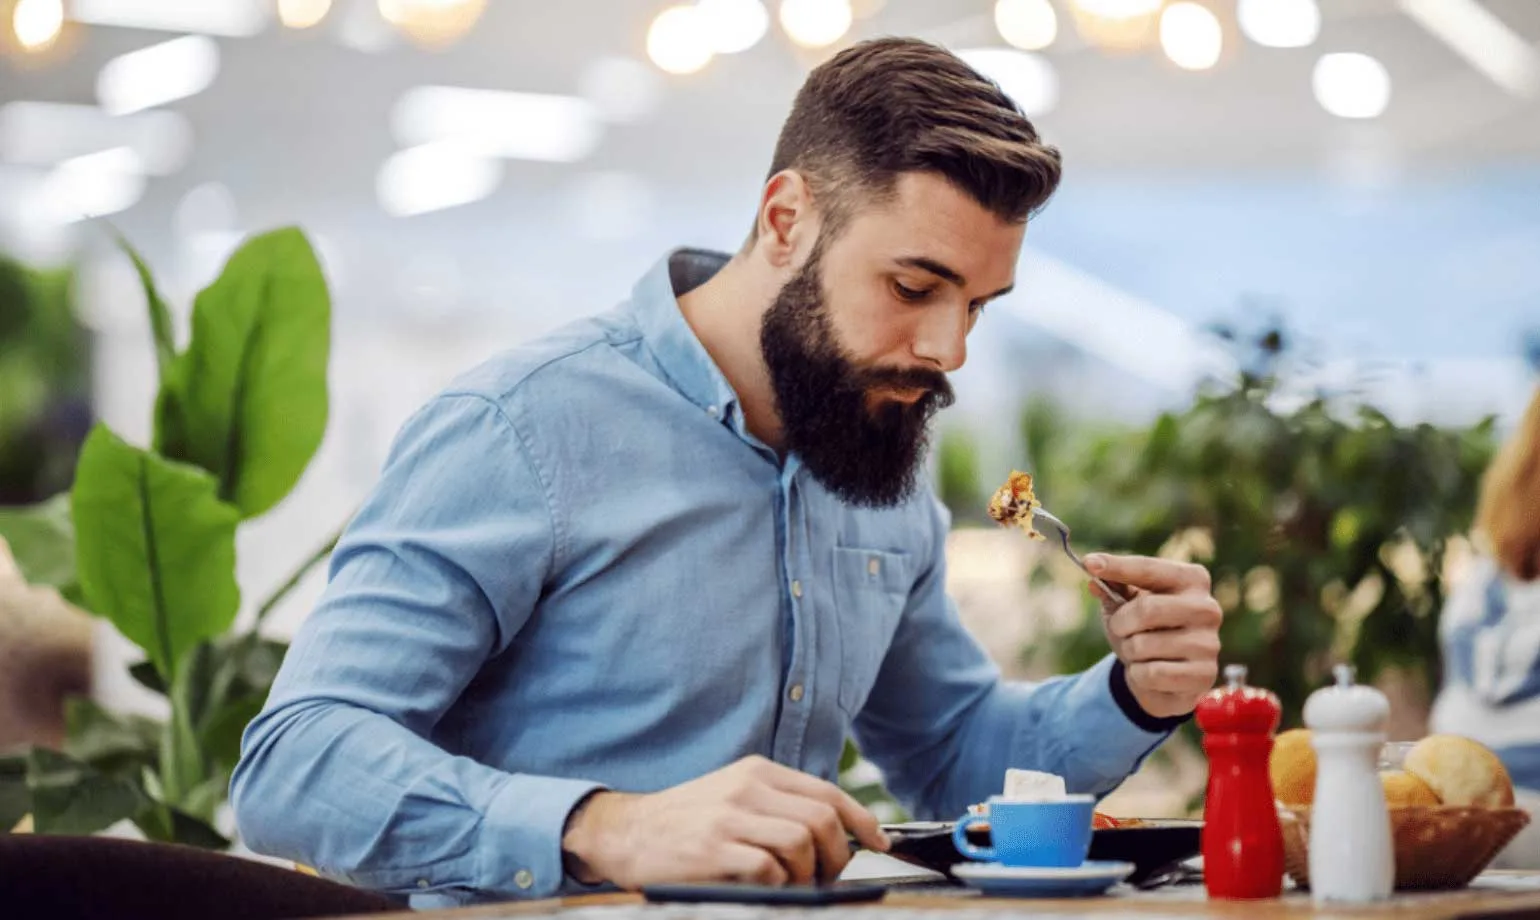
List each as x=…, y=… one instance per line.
x=1031, y=833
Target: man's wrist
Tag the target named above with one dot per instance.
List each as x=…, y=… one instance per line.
x=1123, y=695
x=578, y=840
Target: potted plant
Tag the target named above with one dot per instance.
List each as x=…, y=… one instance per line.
x=146, y=538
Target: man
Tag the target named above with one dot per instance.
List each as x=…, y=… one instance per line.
x=621, y=594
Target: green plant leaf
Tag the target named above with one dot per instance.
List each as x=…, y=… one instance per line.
x=160, y=316
x=121, y=745
x=167, y=824
x=42, y=539
x=183, y=766
x=156, y=548
x=252, y=382
x=71, y=797
x=15, y=798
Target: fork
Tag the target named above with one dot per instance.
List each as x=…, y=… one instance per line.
x=1041, y=516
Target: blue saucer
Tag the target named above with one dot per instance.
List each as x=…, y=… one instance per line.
x=1088, y=878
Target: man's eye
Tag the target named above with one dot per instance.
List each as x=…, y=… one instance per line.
x=910, y=294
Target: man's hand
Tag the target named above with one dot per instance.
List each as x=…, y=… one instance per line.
x=1167, y=635
x=752, y=821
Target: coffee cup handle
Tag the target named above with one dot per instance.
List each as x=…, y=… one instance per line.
x=970, y=850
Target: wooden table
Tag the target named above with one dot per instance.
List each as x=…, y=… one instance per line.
x=1494, y=894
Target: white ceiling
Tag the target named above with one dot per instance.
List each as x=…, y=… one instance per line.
x=296, y=124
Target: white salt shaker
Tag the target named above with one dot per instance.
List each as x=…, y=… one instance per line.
x=1351, y=858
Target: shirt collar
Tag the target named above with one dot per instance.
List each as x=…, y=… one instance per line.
x=672, y=342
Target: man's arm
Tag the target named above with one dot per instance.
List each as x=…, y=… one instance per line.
x=944, y=727
x=439, y=571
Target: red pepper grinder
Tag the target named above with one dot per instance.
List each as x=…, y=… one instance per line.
x=1242, y=840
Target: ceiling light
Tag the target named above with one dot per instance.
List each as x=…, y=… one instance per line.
x=47, y=133
x=435, y=176
x=93, y=185
x=1279, y=23
x=37, y=23
x=1191, y=36
x=678, y=40
x=1028, y=24
x=302, y=14
x=498, y=123
x=816, y=23
x=1483, y=40
x=1351, y=85
x=1029, y=79
x=733, y=25
x=157, y=75
x=433, y=23
x=234, y=18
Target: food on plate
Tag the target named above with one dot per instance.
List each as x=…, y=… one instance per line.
x=1402, y=789
x=1291, y=767
x=1013, y=503
x=1460, y=771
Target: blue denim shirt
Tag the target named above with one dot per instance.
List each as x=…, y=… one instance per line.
x=579, y=570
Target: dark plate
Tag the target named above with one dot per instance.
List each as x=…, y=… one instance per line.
x=1152, y=847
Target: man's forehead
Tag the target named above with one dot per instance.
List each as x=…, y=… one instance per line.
x=928, y=219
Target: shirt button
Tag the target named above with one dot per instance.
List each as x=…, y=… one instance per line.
x=523, y=878
x=422, y=883
x=714, y=411
x=874, y=565
x=795, y=693
x=796, y=589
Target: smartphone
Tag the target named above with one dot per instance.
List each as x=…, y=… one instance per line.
x=733, y=893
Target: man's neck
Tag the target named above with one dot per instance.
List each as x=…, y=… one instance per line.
x=725, y=314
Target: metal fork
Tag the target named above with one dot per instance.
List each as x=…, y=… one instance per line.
x=1040, y=517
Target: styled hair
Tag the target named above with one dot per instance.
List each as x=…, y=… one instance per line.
x=889, y=106
x=1508, y=514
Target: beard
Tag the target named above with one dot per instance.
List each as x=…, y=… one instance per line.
x=865, y=450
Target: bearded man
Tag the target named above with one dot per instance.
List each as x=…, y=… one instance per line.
x=622, y=593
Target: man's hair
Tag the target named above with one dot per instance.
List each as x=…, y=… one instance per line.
x=890, y=106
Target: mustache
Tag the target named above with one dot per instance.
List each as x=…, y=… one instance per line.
x=938, y=389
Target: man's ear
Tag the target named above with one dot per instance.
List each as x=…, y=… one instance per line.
x=787, y=224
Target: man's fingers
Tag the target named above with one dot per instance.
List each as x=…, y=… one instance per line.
x=861, y=823
x=1165, y=611
x=821, y=820
x=1171, y=645
x=747, y=863
x=1149, y=573
x=792, y=843
x=1182, y=677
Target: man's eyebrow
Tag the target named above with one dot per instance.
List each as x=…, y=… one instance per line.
x=947, y=273
x=938, y=269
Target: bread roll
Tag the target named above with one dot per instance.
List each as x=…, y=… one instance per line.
x=1291, y=766
x=1402, y=789
x=1460, y=771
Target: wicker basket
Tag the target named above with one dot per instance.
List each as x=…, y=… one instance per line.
x=1436, y=847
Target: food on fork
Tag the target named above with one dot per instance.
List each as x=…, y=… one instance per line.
x=1013, y=503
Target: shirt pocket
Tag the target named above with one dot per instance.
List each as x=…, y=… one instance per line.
x=871, y=588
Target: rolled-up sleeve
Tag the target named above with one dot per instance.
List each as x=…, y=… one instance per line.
x=944, y=727
x=438, y=571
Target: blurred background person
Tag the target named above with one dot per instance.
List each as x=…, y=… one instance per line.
x=1490, y=629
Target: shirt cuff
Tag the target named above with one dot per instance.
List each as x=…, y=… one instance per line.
x=1124, y=697
x=521, y=835
x=1109, y=745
